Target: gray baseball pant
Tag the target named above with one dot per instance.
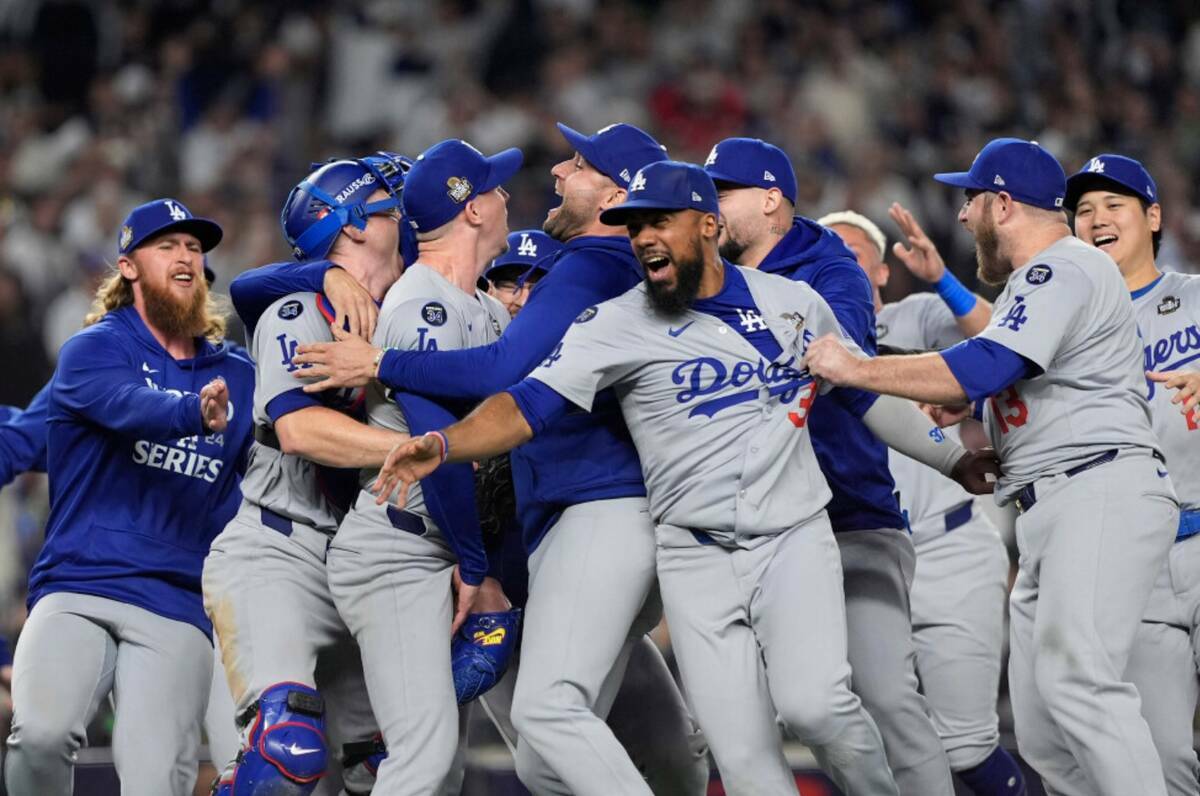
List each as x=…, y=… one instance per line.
x=74, y=650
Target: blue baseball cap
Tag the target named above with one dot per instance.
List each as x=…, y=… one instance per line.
x=1106, y=171
x=666, y=185
x=167, y=215
x=616, y=151
x=527, y=249
x=447, y=176
x=1022, y=168
x=754, y=162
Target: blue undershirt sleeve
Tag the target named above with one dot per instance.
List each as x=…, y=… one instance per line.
x=475, y=373
x=539, y=403
x=984, y=367
x=847, y=291
x=254, y=290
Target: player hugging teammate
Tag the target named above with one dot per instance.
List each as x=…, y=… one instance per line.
x=685, y=372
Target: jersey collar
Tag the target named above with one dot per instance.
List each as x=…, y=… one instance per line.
x=1141, y=291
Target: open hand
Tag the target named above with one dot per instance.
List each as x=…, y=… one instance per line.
x=405, y=465
x=1186, y=384
x=354, y=306
x=920, y=257
x=214, y=405
x=347, y=362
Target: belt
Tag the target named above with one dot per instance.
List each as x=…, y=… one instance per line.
x=701, y=536
x=1028, y=495
x=276, y=521
x=958, y=517
x=266, y=436
x=1189, y=525
x=406, y=521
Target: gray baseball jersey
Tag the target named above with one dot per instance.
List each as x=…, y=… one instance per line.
x=721, y=432
x=290, y=485
x=1068, y=311
x=918, y=321
x=423, y=311
x=1168, y=317
x=921, y=321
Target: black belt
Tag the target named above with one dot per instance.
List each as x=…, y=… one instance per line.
x=956, y=518
x=266, y=436
x=1028, y=496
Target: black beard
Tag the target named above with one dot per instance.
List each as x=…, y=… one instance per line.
x=688, y=272
x=732, y=250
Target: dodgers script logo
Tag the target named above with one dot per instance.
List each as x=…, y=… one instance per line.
x=708, y=376
x=1171, y=353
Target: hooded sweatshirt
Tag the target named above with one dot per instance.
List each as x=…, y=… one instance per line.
x=138, y=487
x=853, y=459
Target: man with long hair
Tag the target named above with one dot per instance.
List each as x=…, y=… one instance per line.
x=144, y=447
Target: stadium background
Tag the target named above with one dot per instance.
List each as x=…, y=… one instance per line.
x=224, y=104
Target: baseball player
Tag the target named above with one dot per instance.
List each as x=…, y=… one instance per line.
x=144, y=449
x=961, y=580
x=265, y=583
x=1062, y=364
x=757, y=188
x=584, y=519
x=736, y=550
x=513, y=274
x=1115, y=202
x=390, y=570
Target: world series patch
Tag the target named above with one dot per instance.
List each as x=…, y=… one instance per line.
x=434, y=313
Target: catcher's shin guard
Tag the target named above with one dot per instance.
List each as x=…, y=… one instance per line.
x=284, y=749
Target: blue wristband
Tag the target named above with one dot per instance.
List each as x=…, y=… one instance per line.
x=955, y=294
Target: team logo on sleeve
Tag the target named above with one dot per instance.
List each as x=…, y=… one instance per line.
x=291, y=310
x=1039, y=275
x=1168, y=305
x=434, y=313
x=587, y=315
x=1016, y=316
x=496, y=326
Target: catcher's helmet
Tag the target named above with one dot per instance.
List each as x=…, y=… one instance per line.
x=335, y=194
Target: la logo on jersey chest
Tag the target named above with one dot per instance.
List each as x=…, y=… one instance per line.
x=751, y=321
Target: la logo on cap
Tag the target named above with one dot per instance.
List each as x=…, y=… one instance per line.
x=177, y=212
x=460, y=189
x=639, y=182
x=712, y=157
x=1095, y=166
x=528, y=247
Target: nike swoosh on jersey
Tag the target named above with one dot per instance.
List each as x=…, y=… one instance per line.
x=296, y=750
x=680, y=330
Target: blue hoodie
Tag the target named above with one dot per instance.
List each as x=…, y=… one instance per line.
x=138, y=490
x=585, y=456
x=23, y=437
x=853, y=460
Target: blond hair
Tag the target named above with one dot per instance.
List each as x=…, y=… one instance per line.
x=116, y=291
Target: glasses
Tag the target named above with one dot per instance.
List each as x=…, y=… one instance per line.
x=505, y=286
x=392, y=212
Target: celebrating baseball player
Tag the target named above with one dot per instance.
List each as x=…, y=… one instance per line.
x=1061, y=369
x=1115, y=202
x=680, y=377
x=584, y=519
x=144, y=449
x=512, y=275
x=960, y=584
x=265, y=581
x=390, y=570
x=757, y=188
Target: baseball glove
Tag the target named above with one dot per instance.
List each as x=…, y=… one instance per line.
x=480, y=653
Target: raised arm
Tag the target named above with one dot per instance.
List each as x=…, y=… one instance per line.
x=255, y=290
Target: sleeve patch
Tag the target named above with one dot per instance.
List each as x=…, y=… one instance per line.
x=1039, y=275
x=587, y=315
x=290, y=310
x=434, y=313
